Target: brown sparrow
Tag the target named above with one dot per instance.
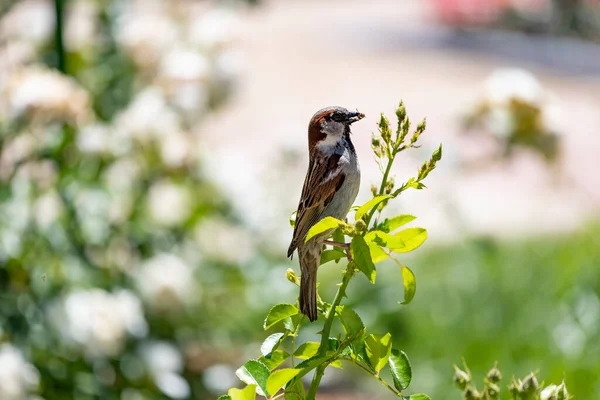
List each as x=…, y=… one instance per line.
x=330, y=188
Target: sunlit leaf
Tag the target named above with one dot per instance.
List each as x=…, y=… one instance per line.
x=280, y=312
x=401, y=369
x=412, y=238
x=254, y=373
x=383, y=239
x=323, y=225
x=274, y=359
x=226, y=397
x=307, y=350
x=378, y=348
x=279, y=378
x=410, y=284
x=338, y=236
x=270, y=343
x=293, y=219
x=362, y=257
x=247, y=393
x=365, y=208
x=391, y=224
x=377, y=253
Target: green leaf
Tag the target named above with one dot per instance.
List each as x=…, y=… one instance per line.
x=378, y=348
x=351, y=322
x=254, y=373
x=322, y=226
x=412, y=238
x=418, y=396
x=279, y=312
x=383, y=239
x=377, y=253
x=279, y=378
x=338, y=236
x=394, y=223
x=307, y=350
x=311, y=363
x=224, y=397
x=295, y=391
x=362, y=257
x=410, y=284
x=331, y=255
x=374, y=202
x=270, y=343
x=401, y=370
x=293, y=219
x=247, y=393
x=274, y=359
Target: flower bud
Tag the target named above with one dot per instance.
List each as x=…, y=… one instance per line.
x=361, y=226
x=492, y=391
x=530, y=384
x=515, y=388
x=461, y=378
x=291, y=276
x=494, y=375
x=374, y=190
x=471, y=393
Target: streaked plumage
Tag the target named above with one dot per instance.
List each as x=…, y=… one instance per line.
x=331, y=185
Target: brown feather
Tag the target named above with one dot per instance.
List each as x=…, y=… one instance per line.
x=317, y=193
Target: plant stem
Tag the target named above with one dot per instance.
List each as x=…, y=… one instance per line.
x=382, y=187
x=294, y=339
x=384, y=383
x=341, y=292
x=58, y=36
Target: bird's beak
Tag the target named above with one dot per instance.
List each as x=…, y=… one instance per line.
x=355, y=116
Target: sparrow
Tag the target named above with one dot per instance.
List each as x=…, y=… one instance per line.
x=330, y=188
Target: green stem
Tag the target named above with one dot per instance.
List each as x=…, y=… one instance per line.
x=58, y=36
x=384, y=383
x=382, y=187
x=341, y=292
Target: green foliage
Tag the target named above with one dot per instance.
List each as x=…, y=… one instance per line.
x=371, y=241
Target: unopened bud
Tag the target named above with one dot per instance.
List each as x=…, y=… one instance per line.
x=374, y=190
x=492, y=390
x=375, y=141
x=471, y=393
x=401, y=112
x=461, y=378
x=494, y=375
x=515, y=388
x=530, y=383
x=361, y=226
x=291, y=276
x=561, y=392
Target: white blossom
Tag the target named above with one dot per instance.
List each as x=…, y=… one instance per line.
x=218, y=378
x=214, y=29
x=508, y=84
x=169, y=204
x=81, y=25
x=17, y=376
x=220, y=240
x=41, y=93
x=99, y=321
x=165, y=362
x=166, y=282
x=30, y=20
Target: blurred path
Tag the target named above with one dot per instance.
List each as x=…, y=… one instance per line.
x=304, y=55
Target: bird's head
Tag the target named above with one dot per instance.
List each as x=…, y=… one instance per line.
x=330, y=124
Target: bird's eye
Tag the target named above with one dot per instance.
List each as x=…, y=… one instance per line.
x=337, y=116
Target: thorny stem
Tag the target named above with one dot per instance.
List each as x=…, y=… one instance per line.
x=384, y=383
x=341, y=292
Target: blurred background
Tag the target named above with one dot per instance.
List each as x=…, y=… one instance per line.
x=151, y=152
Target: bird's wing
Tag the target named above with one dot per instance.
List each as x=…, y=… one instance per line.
x=323, y=180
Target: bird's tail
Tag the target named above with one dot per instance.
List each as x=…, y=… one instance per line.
x=310, y=256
